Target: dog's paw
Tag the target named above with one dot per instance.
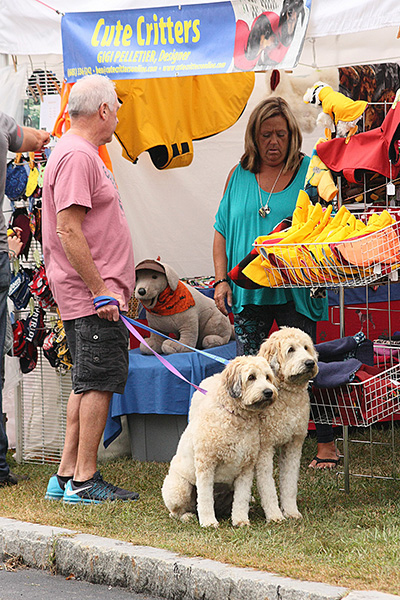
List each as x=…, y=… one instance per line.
x=189, y=516
x=174, y=515
x=145, y=350
x=210, y=523
x=240, y=523
x=275, y=516
x=293, y=514
x=212, y=341
x=171, y=347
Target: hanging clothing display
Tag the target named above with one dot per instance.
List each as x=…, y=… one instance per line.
x=376, y=150
x=164, y=116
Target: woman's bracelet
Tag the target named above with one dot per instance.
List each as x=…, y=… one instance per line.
x=219, y=281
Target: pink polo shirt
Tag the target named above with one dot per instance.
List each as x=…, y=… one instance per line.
x=75, y=174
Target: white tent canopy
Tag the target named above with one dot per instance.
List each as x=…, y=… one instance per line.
x=171, y=213
x=340, y=32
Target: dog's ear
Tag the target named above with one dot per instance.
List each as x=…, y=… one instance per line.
x=172, y=277
x=263, y=349
x=274, y=363
x=233, y=380
x=269, y=350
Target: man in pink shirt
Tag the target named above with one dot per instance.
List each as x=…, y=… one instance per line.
x=88, y=252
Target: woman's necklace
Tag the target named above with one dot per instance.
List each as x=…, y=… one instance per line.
x=264, y=210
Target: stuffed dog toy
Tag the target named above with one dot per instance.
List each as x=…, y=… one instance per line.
x=339, y=113
x=172, y=307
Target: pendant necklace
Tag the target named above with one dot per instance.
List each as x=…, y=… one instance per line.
x=264, y=210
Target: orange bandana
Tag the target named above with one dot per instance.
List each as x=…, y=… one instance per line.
x=171, y=303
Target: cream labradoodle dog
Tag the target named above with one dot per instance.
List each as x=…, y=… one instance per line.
x=293, y=359
x=221, y=442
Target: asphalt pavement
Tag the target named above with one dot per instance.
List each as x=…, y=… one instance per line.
x=35, y=584
x=152, y=571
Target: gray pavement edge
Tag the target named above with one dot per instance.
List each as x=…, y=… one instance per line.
x=160, y=572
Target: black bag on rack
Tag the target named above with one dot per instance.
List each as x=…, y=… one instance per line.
x=19, y=291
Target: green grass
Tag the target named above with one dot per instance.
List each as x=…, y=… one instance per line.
x=351, y=539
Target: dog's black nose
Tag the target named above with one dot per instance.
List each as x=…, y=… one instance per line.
x=267, y=394
x=310, y=364
x=141, y=291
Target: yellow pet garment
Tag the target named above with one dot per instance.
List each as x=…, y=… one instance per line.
x=165, y=115
x=319, y=176
x=339, y=106
x=319, y=249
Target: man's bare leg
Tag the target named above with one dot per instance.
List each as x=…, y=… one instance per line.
x=70, y=450
x=93, y=413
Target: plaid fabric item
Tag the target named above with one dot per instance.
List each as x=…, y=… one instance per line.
x=237, y=276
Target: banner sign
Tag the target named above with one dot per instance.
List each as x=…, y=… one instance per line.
x=187, y=39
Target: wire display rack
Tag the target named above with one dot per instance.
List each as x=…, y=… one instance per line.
x=41, y=413
x=354, y=262
x=360, y=403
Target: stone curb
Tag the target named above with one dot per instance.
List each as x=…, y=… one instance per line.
x=143, y=569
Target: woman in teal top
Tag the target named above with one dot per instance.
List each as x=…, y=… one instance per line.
x=260, y=192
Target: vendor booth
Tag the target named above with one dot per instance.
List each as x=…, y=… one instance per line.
x=170, y=188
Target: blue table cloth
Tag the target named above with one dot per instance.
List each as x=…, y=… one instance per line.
x=152, y=389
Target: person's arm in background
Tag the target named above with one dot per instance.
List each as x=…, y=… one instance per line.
x=222, y=290
x=14, y=243
x=74, y=243
x=33, y=139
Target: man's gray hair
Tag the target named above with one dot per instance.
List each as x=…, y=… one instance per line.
x=89, y=93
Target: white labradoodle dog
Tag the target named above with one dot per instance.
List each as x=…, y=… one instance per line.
x=221, y=442
x=173, y=307
x=293, y=359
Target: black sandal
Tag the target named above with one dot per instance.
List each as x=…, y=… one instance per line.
x=334, y=461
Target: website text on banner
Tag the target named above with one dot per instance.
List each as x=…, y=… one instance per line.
x=197, y=39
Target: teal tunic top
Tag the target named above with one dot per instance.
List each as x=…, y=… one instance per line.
x=238, y=221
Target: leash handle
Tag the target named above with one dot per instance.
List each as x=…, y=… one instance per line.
x=100, y=301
